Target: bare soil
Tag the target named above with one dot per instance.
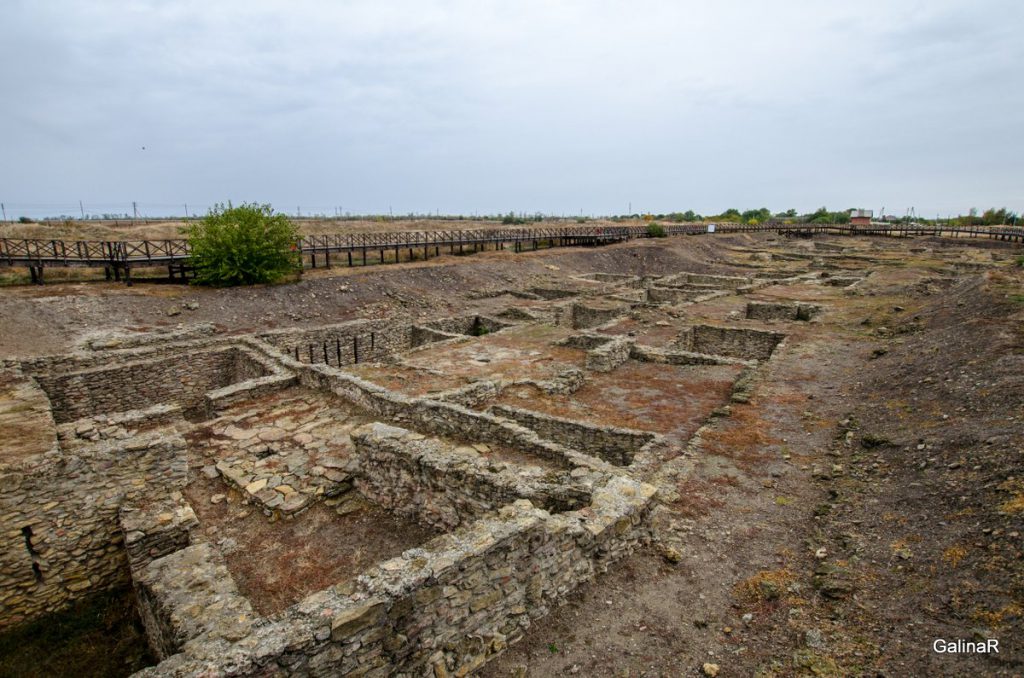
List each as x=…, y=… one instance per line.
x=670, y=399
x=276, y=563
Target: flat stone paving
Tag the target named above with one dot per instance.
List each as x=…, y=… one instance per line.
x=522, y=352
x=283, y=451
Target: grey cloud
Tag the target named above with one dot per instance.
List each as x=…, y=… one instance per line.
x=483, y=106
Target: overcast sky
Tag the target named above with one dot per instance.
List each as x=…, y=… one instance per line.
x=530, y=106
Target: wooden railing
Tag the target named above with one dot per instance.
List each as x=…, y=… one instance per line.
x=123, y=254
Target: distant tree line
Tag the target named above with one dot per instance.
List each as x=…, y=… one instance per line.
x=823, y=215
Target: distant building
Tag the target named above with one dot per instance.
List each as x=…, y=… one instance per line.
x=860, y=217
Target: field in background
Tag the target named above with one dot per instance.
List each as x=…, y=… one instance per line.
x=170, y=229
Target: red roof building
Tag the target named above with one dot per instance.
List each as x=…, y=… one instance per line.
x=860, y=217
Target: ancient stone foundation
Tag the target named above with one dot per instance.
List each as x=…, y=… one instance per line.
x=517, y=460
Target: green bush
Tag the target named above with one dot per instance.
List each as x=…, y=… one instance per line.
x=243, y=245
x=656, y=230
x=511, y=219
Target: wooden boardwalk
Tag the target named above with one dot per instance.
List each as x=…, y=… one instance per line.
x=118, y=257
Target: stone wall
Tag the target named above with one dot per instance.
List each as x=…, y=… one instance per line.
x=433, y=416
x=165, y=377
x=608, y=356
x=359, y=341
x=444, y=486
x=443, y=609
x=617, y=446
x=768, y=310
x=587, y=316
x=674, y=295
x=470, y=325
x=156, y=528
x=189, y=594
x=704, y=279
x=650, y=354
x=421, y=336
x=59, y=514
x=737, y=343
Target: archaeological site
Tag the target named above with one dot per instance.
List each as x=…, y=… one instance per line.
x=654, y=457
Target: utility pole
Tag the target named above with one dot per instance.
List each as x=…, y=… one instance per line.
x=81, y=209
x=4, y=209
x=186, y=210
x=135, y=212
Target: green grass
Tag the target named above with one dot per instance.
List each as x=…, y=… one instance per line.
x=97, y=636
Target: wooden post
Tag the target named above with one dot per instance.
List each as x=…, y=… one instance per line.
x=355, y=349
x=337, y=350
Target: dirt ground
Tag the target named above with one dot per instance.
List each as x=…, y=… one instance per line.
x=277, y=563
x=867, y=501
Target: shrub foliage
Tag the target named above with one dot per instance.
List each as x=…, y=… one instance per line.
x=655, y=230
x=243, y=245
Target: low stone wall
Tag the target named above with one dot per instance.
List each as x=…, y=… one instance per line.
x=245, y=390
x=737, y=343
x=441, y=610
x=189, y=595
x=711, y=280
x=444, y=486
x=769, y=310
x=434, y=416
x=584, y=316
x=155, y=529
x=610, y=355
x=180, y=377
x=470, y=325
x=59, y=512
x=675, y=295
x=421, y=336
x=550, y=294
x=586, y=341
x=842, y=280
x=649, y=354
x=118, y=426
x=358, y=341
x=617, y=446
x=107, y=340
